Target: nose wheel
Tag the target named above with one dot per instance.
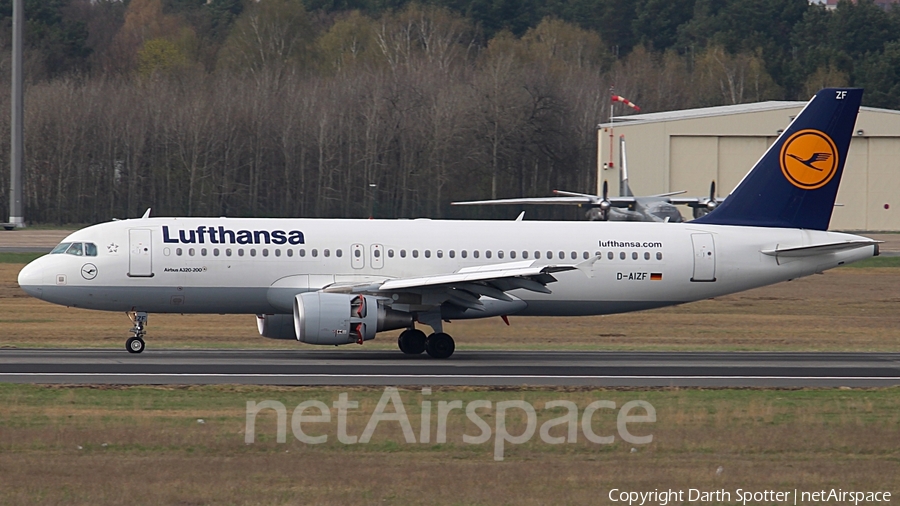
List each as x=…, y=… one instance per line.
x=135, y=344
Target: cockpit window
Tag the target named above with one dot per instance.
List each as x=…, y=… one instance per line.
x=60, y=248
x=87, y=249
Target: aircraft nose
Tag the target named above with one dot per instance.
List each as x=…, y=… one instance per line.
x=31, y=279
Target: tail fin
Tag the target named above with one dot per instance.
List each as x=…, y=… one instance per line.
x=795, y=182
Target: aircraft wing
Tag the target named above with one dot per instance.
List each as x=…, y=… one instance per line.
x=527, y=200
x=464, y=286
x=679, y=201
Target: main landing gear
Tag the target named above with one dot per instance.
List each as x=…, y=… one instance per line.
x=135, y=344
x=437, y=345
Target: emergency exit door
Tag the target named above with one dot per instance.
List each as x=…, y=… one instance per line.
x=140, y=254
x=704, y=257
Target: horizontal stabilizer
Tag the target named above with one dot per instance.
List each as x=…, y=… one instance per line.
x=818, y=249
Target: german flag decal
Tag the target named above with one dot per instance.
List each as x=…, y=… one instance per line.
x=655, y=276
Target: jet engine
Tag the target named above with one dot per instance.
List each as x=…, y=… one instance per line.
x=337, y=318
x=276, y=326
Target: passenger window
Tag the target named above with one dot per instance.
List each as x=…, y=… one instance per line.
x=253, y=252
x=314, y=252
x=487, y=254
x=659, y=256
x=357, y=253
x=203, y=252
x=573, y=255
x=228, y=252
x=265, y=252
x=90, y=249
x=403, y=253
x=167, y=251
x=290, y=252
x=178, y=251
x=597, y=254
x=610, y=255
x=215, y=252
x=622, y=255
x=415, y=253
x=302, y=252
x=75, y=249
x=240, y=252
x=440, y=254
x=326, y=252
x=191, y=251
x=646, y=255
x=537, y=255
x=512, y=254
x=585, y=255
x=278, y=252
x=452, y=254
x=524, y=254
x=60, y=248
x=339, y=253
x=376, y=253
x=549, y=255
x=562, y=255
x=428, y=253
x=475, y=254
x=634, y=255
x=500, y=254
x=464, y=253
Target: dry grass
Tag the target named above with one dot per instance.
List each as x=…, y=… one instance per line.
x=157, y=453
x=842, y=310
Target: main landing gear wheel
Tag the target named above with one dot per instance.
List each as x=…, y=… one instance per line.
x=439, y=345
x=134, y=345
x=411, y=341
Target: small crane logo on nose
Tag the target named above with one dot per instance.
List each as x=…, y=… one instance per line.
x=89, y=271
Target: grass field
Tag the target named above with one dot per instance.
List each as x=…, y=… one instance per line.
x=144, y=445
x=853, y=308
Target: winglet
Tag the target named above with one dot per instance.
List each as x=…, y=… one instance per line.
x=146, y=214
x=521, y=216
x=587, y=267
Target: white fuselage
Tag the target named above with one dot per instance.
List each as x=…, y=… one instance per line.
x=142, y=266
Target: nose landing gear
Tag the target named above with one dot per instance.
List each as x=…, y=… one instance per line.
x=135, y=344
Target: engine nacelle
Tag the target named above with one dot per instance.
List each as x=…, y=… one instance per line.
x=338, y=318
x=276, y=326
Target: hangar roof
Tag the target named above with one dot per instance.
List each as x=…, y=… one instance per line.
x=723, y=110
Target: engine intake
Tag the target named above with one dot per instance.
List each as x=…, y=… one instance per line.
x=337, y=318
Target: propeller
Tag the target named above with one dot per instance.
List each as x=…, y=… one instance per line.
x=604, y=204
x=706, y=205
x=600, y=210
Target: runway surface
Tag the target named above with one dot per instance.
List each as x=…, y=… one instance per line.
x=485, y=368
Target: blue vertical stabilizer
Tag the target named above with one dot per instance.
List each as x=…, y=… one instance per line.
x=795, y=183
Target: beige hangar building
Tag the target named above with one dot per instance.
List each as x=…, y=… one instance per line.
x=686, y=150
